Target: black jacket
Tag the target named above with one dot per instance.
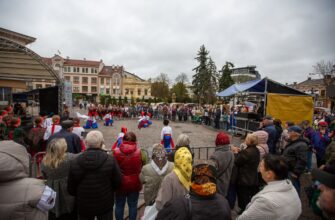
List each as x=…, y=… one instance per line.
x=295, y=154
x=94, y=176
x=72, y=140
x=246, y=163
x=214, y=207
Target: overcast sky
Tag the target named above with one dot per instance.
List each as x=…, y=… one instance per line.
x=283, y=38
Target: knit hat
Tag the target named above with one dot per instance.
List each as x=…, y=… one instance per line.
x=323, y=124
x=295, y=128
x=222, y=139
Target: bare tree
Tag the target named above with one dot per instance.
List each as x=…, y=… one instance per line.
x=163, y=77
x=182, y=77
x=326, y=71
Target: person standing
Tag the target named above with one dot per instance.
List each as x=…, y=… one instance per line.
x=268, y=126
x=54, y=128
x=93, y=178
x=217, y=117
x=295, y=154
x=55, y=169
x=320, y=141
x=278, y=199
x=246, y=162
x=72, y=140
x=152, y=174
x=308, y=133
x=224, y=159
x=166, y=135
x=129, y=158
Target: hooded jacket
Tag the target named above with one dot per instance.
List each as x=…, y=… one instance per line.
x=19, y=194
x=129, y=159
x=278, y=200
x=295, y=154
x=94, y=176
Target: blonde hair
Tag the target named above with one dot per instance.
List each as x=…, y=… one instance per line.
x=55, y=119
x=251, y=139
x=56, y=151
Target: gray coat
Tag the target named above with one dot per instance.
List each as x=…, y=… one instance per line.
x=57, y=180
x=225, y=162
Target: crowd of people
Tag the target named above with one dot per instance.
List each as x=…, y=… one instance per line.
x=260, y=179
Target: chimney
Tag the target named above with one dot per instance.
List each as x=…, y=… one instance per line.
x=309, y=78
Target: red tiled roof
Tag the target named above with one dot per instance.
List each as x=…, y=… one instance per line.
x=109, y=70
x=47, y=60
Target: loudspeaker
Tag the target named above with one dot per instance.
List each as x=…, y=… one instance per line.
x=48, y=98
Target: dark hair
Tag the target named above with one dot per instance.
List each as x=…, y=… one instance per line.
x=166, y=122
x=38, y=120
x=290, y=123
x=129, y=136
x=277, y=165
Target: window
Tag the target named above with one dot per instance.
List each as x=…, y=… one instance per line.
x=131, y=92
x=127, y=92
x=116, y=79
x=323, y=93
x=92, y=70
x=146, y=92
x=102, y=90
x=93, y=89
x=67, y=78
x=95, y=70
x=76, y=69
x=84, y=89
x=94, y=80
x=84, y=80
x=76, y=79
x=108, y=81
x=107, y=91
x=75, y=89
x=66, y=69
x=102, y=80
x=84, y=69
x=114, y=91
x=138, y=91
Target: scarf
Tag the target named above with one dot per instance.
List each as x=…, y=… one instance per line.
x=206, y=189
x=157, y=170
x=183, y=166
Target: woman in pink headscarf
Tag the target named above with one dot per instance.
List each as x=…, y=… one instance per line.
x=262, y=146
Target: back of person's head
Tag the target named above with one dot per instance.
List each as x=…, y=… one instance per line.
x=166, y=122
x=55, y=119
x=204, y=178
x=94, y=139
x=277, y=165
x=130, y=136
x=222, y=139
x=262, y=136
x=277, y=122
x=76, y=121
x=289, y=123
x=183, y=140
x=38, y=120
x=15, y=122
x=251, y=140
x=56, y=151
x=124, y=130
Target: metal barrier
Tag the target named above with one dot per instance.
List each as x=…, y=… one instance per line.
x=202, y=153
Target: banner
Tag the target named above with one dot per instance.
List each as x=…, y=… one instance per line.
x=290, y=107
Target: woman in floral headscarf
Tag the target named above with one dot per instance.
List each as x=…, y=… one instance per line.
x=153, y=173
x=178, y=182
x=202, y=202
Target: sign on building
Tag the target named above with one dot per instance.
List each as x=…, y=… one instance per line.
x=68, y=94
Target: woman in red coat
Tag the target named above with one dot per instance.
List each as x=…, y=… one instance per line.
x=130, y=162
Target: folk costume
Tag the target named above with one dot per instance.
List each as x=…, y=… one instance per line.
x=166, y=137
x=108, y=120
x=118, y=142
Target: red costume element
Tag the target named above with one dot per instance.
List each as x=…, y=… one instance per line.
x=129, y=159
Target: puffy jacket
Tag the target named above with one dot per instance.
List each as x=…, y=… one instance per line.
x=93, y=178
x=129, y=159
x=295, y=154
x=273, y=137
x=19, y=194
x=320, y=143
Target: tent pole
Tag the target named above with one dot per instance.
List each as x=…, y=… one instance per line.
x=265, y=96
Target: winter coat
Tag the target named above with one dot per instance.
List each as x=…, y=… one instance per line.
x=320, y=143
x=72, y=140
x=278, y=200
x=262, y=143
x=225, y=161
x=295, y=154
x=195, y=208
x=170, y=188
x=19, y=194
x=152, y=179
x=247, y=162
x=57, y=180
x=129, y=159
x=330, y=152
x=94, y=176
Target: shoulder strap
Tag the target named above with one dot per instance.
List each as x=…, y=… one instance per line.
x=223, y=171
x=189, y=206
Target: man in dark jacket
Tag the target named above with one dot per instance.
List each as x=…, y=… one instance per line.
x=93, y=178
x=203, y=202
x=72, y=140
x=268, y=126
x=295, y=154
x=217, y=117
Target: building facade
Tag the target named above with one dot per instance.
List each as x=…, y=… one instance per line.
x=244, y=74
x=92, y=78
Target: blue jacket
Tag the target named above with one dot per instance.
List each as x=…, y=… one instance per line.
x=272, y=132
x=320, y=143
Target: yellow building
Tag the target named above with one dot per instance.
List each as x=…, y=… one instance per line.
x=134, y=86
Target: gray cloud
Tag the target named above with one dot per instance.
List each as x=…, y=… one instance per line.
x=283, y=38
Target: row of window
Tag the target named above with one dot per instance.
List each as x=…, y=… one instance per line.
x=68, y=69
x=115, y=81
x=139, y=92
x=76, y=89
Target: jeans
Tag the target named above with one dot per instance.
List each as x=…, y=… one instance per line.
x=296, y=183
x=120, y=201
x=106, y=216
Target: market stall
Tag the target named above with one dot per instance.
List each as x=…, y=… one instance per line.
x=272, y=98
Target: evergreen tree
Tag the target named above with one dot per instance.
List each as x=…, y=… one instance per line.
x=225, y=78
x=201, y=72
x=211, y=82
